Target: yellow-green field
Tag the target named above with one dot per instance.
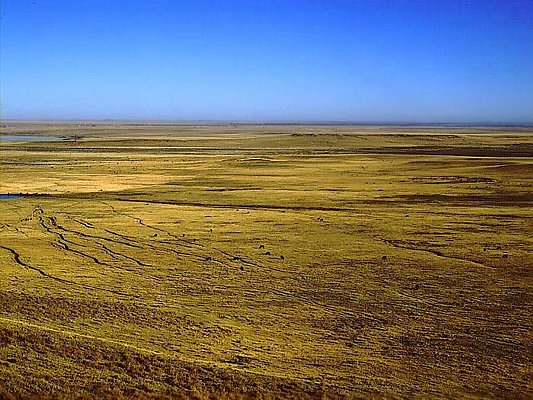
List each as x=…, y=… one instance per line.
x=154, y=261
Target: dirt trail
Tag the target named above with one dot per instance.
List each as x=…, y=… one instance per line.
x=402, y=244
x=18, y=261
x=78, y=334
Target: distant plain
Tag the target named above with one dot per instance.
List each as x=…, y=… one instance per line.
x=243, y=261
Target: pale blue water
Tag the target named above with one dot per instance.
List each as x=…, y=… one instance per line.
x=28, y=138
x=9, y=196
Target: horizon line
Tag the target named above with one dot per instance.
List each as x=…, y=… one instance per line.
x=164, y=121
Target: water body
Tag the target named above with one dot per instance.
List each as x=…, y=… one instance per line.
x=28, y=138
x=10, y=196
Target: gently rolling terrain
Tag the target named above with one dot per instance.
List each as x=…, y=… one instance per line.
x=265, y=261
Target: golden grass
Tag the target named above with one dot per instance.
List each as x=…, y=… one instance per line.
x=249, y=264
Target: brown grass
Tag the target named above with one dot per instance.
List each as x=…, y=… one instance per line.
x=266, y=262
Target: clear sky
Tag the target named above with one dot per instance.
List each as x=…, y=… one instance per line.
x=286, y=60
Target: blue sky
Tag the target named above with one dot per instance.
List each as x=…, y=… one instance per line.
x=287, y=60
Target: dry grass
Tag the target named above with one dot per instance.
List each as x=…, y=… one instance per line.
x=266, y=262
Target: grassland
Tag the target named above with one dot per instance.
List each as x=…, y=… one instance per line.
x=155, y=261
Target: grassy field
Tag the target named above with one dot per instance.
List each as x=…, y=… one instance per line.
x=246, y=261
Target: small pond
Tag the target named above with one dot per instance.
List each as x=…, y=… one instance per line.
x=4, y=196
x=27, y=138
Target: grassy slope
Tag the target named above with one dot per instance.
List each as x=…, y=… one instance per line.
x=255, y=267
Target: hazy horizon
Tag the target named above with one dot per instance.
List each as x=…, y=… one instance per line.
x=364, y=62
x=270, y=122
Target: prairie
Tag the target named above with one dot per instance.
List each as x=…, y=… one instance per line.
x=266, y=261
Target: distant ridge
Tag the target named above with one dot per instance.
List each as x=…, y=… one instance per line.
x=273, y=123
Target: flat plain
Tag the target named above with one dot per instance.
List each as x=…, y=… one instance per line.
x=266, y=261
